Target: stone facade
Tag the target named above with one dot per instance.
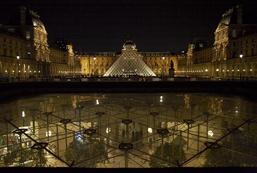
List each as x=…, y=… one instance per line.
x=232, y=55
x=96, y=64
x=25, y=52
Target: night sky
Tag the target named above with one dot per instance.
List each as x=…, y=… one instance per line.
x=103, y=25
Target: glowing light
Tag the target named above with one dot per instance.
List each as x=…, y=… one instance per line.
x=18, y=57
x=97, y=102
x=206, y=70
x=210, y=133
x=49, y=133
x=236, y=111
x=108, y=130
x=78, y=137
x=163, y=58
x=241, y=55
x=150, y=130
x=251, y=69
x=161, y=99
x=217, y=69
x=23, y=114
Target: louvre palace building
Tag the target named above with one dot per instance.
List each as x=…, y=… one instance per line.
x=26, y=52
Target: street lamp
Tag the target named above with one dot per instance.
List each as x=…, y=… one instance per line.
x=18, y=57
x=94, y=66
x=163, y=63
x=241, y=60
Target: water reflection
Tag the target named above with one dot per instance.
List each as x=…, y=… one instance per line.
x=128, y=130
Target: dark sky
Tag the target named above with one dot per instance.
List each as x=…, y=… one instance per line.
x=103, y=25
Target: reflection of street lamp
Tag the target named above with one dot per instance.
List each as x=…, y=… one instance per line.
x=149, y=130
x=23, y=117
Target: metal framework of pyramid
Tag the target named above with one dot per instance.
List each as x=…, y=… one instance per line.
x=129, y=63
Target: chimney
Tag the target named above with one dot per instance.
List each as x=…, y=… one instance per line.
x=239, y=14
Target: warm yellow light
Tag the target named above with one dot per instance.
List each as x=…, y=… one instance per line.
x=108, y=130
x=23, y=114
x=210, y=133
x=150, y=130
x=49, y=133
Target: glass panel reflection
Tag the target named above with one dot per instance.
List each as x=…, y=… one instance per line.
x=128, y=130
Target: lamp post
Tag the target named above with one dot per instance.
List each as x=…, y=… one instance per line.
x=241, y=60
x=94, y=66
x=23, y=117
x=18, y=58
x=163, y=63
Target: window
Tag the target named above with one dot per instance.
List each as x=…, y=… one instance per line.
x=233, y=33
x=27, y=35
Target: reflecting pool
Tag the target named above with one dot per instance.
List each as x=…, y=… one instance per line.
x=128, y=130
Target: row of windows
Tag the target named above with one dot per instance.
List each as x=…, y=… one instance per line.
x=14, y=42
x=247, y=42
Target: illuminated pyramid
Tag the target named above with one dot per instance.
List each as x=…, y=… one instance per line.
x=129, y=63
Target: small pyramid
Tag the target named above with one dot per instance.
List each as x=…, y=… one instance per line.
x=129, y=63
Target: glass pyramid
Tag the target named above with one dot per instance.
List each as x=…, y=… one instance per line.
x=129, y=63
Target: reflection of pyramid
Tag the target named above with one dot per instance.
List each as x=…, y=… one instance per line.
x=129, y=63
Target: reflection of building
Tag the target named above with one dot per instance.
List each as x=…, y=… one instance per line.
x=24, y=49
x=233, y=53
x=211, y=117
